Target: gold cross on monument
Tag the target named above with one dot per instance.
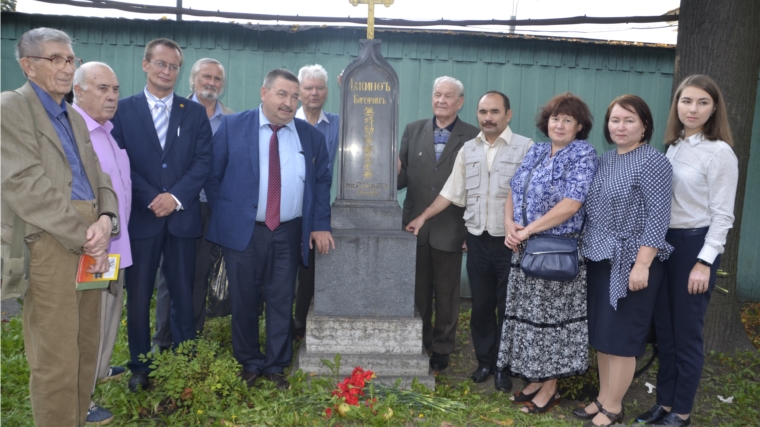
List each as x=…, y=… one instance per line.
x=371, y=16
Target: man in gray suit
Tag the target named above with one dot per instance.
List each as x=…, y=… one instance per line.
x=207, y=80
x=52, y=180
x=426, y=158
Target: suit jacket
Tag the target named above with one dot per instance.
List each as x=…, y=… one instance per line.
x=424, y=178
x=233, y=185
x=180, y=168
x=36, y=176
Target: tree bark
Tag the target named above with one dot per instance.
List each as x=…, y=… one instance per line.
x=722, y=40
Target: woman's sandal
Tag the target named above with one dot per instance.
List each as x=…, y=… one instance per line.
x=533, y=409
x=585, y=416
x=614, y=418
x=520, y=397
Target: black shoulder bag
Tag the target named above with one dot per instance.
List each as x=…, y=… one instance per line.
x=547, y=256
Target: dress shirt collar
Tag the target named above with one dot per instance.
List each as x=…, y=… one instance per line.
x=505, y=137
x=92, y=124
x=49, y=103
x=217, y=112
x=169, y=100
x=263, y=121
x=449, y=128
x=301, y=115
x=695, y=139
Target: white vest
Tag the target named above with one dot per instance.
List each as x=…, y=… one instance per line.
x=486, y=196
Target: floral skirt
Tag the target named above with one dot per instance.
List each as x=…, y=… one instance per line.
x=545, y=334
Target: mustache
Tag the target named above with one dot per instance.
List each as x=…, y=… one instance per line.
x=286, y=108
x=488, y=123
x=209, y=87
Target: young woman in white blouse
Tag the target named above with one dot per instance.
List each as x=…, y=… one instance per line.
x=705, y=175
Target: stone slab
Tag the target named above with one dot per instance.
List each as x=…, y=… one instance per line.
x=388, y=367
x=366, y=215
x=370, y=273
x=363, y=335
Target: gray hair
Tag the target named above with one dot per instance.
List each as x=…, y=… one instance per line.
x=80, y=75
x=30, y=43
x=315, y=71
x=447, y=79
x=277, y=73
x=197, y=67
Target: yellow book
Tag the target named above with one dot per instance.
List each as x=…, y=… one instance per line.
x=86, y=280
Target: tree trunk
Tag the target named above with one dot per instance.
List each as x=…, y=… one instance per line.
x=722, y=40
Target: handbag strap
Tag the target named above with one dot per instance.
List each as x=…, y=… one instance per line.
x=525, y=189
x=525, y=192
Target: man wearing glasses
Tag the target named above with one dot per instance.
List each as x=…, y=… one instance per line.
x=54, y=188
x=168, y=141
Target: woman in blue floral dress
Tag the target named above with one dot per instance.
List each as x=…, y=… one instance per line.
x=545, y=334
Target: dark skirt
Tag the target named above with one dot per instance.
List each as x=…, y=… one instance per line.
x=621, y=332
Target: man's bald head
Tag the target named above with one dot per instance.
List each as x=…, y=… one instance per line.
x=96, y=91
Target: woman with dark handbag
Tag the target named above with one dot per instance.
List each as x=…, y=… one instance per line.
x=705, y=175
x=628, y=212
x=545, y=335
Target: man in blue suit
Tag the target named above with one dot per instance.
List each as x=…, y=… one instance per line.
x=269, y=191
x=168, y=140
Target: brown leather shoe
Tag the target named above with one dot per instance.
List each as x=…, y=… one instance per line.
x=279, y=381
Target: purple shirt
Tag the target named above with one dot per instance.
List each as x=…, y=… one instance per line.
x=115, y=163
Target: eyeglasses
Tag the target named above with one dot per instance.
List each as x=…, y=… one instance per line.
x=59, y=62
x=162, y=65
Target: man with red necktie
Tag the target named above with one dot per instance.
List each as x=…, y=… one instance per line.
x=269, y=191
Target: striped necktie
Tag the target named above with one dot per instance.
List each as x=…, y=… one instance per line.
x=161, y=121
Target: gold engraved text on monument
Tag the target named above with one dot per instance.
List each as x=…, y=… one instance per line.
x=369, y=133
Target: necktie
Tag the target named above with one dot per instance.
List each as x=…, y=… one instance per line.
x=273, y=189
x=161, y=121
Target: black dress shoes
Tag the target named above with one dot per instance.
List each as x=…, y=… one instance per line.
x=279, y=381
x=481, y=374
x=656, y=413
x=439, y=362
x=138, y=380
x=250, y=377
x=502, y=382
x=673, y=420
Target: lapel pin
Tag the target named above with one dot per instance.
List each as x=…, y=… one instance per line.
x=181, y=105
x=420, y=153
x=313, y=160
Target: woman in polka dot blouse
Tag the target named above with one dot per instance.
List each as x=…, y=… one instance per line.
x=628, y=210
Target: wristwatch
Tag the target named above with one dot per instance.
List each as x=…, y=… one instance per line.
x=703, y=262
x=114, y=222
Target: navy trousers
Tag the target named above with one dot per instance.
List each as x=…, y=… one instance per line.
x=679, y=319
x=264, y=271
x=488, y=265
x=178, y=268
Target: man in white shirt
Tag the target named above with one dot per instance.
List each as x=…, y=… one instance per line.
x=479, y=182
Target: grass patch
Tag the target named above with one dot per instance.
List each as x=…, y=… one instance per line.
x=198, y=386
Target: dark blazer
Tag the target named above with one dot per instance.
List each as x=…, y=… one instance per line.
x=180, y=168
x=424, y=179
x=233, y=184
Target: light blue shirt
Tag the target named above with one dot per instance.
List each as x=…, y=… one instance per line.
x=292, y=170
x=214, y=120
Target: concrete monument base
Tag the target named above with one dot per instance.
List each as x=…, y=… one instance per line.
x=389, y=346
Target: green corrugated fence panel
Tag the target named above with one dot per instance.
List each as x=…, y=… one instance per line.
x=530, y=72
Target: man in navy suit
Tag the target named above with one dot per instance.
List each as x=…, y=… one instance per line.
x=269, y=190
x=168, y=140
